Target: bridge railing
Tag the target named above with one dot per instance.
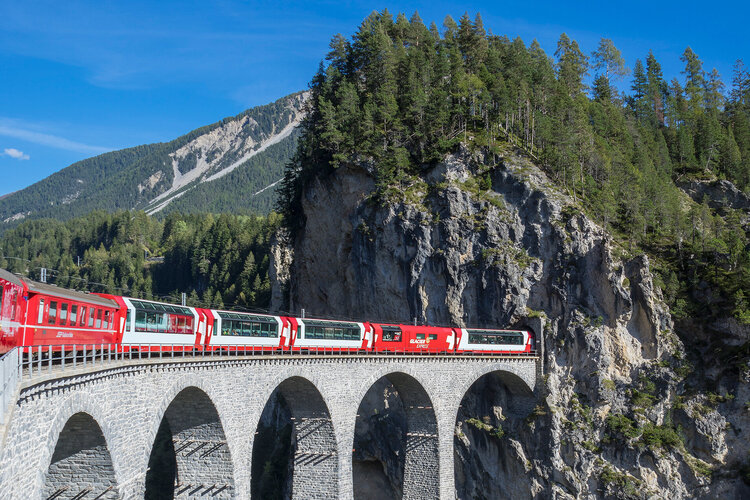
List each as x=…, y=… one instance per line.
x=29, y=362
x=10, y=371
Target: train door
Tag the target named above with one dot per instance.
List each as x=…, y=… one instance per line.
x=454, y=339
x=293, y=327
x=200, y=328
x=208, y=326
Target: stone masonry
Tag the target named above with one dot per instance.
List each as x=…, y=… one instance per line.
x=212, y=409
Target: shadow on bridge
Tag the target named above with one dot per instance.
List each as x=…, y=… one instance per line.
x=81, y=465
x=294, y=450
x=395, y=442
x=190, y=454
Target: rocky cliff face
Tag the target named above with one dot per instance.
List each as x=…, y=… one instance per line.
x=490, y=242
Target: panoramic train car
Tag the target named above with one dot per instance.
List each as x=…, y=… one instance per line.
x=486, y=341
x=12, y=311
x=409, y=338
x=42, y=314
x=151, y=324
x=232, y=330
x=316, y=335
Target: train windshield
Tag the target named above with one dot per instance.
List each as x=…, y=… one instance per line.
x=495, y=337
x=162, y=318
x=248, y=325
x=391, y=333
x=331, y=330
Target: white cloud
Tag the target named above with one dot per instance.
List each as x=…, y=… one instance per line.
x=14, y=153
x=10, y=129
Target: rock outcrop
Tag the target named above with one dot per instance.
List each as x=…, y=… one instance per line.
x=490, y=242
x=719, y=194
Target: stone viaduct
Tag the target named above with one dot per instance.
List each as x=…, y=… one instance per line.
x=94, y=433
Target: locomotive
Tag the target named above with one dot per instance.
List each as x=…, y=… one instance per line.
x=40, y=314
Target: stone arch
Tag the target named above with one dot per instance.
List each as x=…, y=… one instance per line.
x=516, y=383
x=81, y=464
x=190, y=454
x=310, y=469
x=413, y=457
x=494, y=402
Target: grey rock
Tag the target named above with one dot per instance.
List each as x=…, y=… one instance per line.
x=519, y=253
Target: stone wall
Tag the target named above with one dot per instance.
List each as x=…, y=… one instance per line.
x=220, y=402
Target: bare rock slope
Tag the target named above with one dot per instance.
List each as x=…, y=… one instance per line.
x=490, y=242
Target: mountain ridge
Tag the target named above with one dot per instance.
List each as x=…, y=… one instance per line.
x=150, y=177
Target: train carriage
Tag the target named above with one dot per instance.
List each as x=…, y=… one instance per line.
x=431, y=339
x=488, y=341
x=410, y=338
x=234, y=330
x=147, y=324
x=43, y=314
x=323, y=335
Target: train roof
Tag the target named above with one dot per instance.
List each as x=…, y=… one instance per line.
x=63, y=293
x=8, y=276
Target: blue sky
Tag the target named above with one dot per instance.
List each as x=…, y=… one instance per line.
x=79, y=78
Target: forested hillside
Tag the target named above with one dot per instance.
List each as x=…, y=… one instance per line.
x=221, y=165
x=250, y=189
x=220, y=261
x=398, y=96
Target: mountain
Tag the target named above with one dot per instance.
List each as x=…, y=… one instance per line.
x=230, y=165
x=463, y=178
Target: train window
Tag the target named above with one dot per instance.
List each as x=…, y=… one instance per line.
x=40, y=313
x=391, y=334
x=92, y=313
x=162, y=318
x=433, y=336
x=13, y=305
x=107, y=319
x=495, y=337
x=82, y=315
x=73, y=314
x=420, y=336
x=98, y=318
x=52, y=316
x=63, y=313
x=161, y=322
x=247, y=325
x=330, y=330
x=127, y=321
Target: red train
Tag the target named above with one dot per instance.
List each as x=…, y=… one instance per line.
x=34, y=314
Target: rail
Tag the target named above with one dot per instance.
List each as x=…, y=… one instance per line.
x=28, y=362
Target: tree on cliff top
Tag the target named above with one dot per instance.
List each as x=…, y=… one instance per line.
x=398, y=97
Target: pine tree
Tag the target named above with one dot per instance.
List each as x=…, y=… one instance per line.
x=572, y=65
x=640, y=90
x=608, y=62
x=657, y=88
x=694, y=82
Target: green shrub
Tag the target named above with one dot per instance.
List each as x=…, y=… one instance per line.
x=660, y=436
x=620, y=424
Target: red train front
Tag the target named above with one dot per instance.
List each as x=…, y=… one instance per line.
x=35, y=313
